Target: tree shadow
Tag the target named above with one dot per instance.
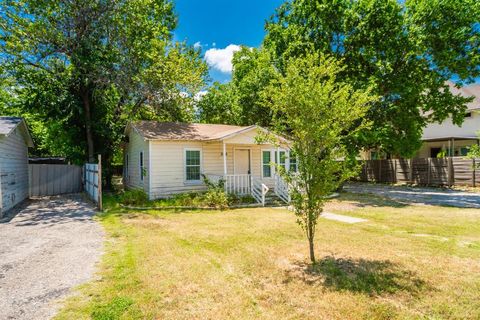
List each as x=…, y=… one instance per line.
x=362, y=200
x=371, y=277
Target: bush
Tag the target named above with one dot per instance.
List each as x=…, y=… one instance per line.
x=216, y=198
x=134, y=197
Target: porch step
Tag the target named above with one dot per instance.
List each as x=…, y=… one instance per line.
x=272, y=200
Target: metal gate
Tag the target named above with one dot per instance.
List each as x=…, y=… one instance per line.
x=54, y=179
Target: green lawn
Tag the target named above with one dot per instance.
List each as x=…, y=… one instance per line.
x=406, y=262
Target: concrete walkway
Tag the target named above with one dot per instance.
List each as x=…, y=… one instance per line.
x=50, y=246
x=430, y=196
x=342, y=218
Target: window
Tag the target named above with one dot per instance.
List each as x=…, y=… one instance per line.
x=266, y=168
x=141, y=166
x=293, y=162
x=192, y=165
x=283, y=158
x=468, y=115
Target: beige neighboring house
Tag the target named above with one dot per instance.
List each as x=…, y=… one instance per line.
x=166, y=158
x=452, y=139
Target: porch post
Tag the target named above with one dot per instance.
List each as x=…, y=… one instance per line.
x=224, y=159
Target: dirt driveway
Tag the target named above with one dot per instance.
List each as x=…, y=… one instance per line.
x=50, y=246
x=431, y=196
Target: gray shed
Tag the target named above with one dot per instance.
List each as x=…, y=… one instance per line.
x=15, y=140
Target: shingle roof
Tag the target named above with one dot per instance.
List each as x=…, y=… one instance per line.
x=8, y=124
x=154, y=130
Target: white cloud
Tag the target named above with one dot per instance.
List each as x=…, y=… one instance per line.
x=199, y=95
x=197, y=45
x=221, y=59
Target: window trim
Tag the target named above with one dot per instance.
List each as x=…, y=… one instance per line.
x=262, y=164
x=185, y=181
x=274, y=160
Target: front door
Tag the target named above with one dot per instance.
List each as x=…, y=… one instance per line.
x=242, y=161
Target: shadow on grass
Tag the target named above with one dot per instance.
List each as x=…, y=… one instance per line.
x=371, y=277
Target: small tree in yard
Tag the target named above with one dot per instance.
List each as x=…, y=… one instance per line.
x=319, y=114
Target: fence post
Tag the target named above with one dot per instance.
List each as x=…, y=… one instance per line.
x=449, y=171
x=99, y=182
x=379, y=170
x=394, y=180
x=410, y=173
x=473, y=172
x=429, y=169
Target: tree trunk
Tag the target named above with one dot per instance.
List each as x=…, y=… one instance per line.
x=88, y=124
x=312, y=251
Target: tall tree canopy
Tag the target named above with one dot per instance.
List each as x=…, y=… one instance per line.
x=406, y=51
x=86, y=67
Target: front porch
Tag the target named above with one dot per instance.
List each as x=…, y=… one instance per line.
x=247, y=184
x=249, y=168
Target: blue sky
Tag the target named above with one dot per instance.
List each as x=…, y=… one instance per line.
x=218, y=24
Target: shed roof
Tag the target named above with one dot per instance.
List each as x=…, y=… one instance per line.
x=154, y=130
x=8, y=125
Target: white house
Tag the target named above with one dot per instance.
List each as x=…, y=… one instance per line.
x=14, y=142
x=454, y=140
x=447, y=137
x=165, y=158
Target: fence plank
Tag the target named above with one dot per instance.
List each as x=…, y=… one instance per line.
x=423, y=171
x=53, y=179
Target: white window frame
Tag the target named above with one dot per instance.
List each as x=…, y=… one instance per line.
x=274, y=160
x=271, y=166
x=296, y=161
x=141, y=164
x=185, y=166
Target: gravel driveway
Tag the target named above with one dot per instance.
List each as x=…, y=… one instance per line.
x=431, y=196
x=50, y=245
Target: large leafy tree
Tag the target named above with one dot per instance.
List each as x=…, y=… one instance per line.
x=407, y=51
x=239, y=101
x=314, y=107
x=87, y=67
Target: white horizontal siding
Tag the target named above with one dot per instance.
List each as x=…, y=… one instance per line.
x=133, y=148
x=168, y=164
x=13, y=170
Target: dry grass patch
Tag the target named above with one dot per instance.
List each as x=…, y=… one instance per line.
x=252, y=264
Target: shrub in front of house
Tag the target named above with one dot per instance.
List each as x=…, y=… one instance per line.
x=134, y=197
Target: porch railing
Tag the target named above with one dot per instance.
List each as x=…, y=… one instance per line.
x=237, y=183
x=259, y=190
x=282, y=189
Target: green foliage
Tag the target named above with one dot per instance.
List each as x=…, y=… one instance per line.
x=216, y=198
x=134, y=197
x=404, y=51
x=319, y=113
x=474, y=153
x=220, y=105
x=239, y=101
x=82, y=70
x=112, y=310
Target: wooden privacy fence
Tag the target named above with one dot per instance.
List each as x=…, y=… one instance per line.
x=423, y=171
x=93, y=181
x=54, y=179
